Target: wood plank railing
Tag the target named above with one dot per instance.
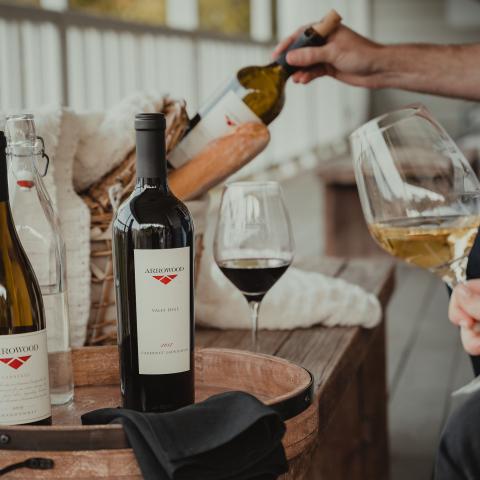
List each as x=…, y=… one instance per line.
x=91, y=62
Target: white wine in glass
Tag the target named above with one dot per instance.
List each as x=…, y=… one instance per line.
x=419, y=194
x=440, y=244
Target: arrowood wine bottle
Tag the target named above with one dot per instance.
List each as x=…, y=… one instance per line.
x=255, y=94
x=24, y=386
x=153, y=258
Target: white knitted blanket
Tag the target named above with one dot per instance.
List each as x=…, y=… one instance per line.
x=83, y=147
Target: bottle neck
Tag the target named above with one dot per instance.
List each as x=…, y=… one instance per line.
x=6, y=219
x=5, y=212
x=151, y=160
x=309, y=38
x=4, y=198
x=152, y=182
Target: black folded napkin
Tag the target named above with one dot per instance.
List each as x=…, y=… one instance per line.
x=228, y=436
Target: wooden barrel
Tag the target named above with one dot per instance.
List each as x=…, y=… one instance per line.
x=102, y=451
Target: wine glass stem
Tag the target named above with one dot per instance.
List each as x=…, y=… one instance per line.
x=254, y=306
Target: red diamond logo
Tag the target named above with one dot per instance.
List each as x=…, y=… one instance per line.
x=165, y=279
x=15, y=363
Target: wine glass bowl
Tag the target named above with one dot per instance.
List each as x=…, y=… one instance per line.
x=253, y=243
x=419, y=194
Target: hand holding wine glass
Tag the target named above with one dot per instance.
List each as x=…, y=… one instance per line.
x=464, y=312
x=419, y=195
x=253, y=241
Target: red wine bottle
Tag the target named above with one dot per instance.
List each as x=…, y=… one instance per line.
x=153, y=244
x=24, y=385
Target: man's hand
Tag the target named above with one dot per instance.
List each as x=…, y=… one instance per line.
x=347, y=56
x=448, y=70
x=464, y=311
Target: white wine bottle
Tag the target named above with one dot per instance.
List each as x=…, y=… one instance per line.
x=255, y=94
x=24, y=385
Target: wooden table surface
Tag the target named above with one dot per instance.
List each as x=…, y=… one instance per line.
x=348, y=365
x=350, y=382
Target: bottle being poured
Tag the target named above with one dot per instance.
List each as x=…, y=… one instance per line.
x=254, y=94
x=38, y=227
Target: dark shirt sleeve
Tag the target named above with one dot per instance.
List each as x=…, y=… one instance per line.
x=473, y=271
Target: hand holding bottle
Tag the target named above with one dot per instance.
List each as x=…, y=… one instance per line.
x=255, y=94
x=356, y=60
x=347, y=56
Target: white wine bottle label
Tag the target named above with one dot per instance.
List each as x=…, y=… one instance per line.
x=224, y=116
x=24, y=388
x=162, y=289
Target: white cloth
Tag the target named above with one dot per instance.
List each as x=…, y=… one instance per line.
x=75, y=223
x=299, y=299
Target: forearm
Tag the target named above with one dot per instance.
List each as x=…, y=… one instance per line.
x=450, y=70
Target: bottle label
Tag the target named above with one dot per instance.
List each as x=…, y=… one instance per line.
x=24, y=388
x=224, y=116
x=162, y=289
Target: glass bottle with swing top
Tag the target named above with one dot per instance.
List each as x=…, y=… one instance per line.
x=38, y=227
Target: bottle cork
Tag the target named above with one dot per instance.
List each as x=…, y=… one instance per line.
x=327, y=24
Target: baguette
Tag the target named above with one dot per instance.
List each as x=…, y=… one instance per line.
x=218, y=160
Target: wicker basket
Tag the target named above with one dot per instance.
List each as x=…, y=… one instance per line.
x=103, y=198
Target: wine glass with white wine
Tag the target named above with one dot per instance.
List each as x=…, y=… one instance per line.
x=419, y=194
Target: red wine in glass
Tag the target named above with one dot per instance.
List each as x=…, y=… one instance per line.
x=254, y=276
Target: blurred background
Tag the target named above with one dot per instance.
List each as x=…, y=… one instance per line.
x=89, y=54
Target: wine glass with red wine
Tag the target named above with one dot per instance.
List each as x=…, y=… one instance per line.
x=253, y=241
